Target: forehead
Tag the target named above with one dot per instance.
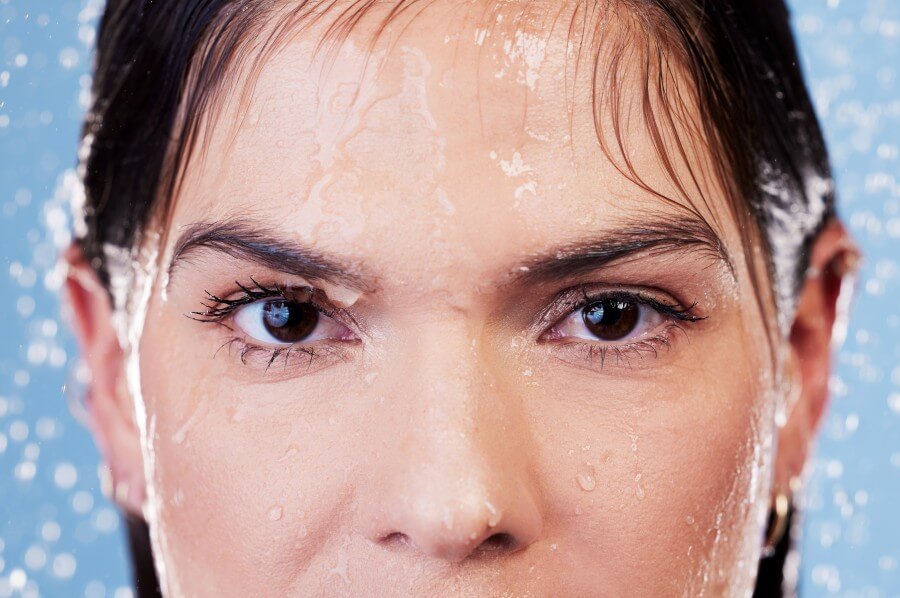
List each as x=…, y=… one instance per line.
x=460, y=126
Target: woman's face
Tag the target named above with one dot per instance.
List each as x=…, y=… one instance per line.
x=519, y=372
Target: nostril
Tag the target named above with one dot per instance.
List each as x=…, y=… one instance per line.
x=499, y=542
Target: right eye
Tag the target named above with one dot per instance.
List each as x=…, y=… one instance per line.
x=281, y=323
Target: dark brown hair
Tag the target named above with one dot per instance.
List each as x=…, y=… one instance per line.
x=161, y=65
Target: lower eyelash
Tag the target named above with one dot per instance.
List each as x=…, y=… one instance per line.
x=272, y=354
x=624, y=353
x=218, y=310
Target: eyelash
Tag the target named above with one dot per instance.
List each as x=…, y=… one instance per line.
x=222, y=308
x=577, y=298
x=218, y=310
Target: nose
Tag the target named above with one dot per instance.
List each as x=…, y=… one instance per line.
x=452, y=478
x=454, y=482
x=454, y=524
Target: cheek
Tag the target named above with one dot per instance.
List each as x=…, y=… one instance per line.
x=264, y=463
x=664, y=477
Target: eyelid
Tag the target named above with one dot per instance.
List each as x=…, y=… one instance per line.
x=314, y=355
x=574, y=298
x=218, y=309
x=593, y=355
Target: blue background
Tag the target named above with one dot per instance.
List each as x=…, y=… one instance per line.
x=59, y=536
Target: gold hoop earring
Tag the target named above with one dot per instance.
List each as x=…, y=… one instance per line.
x=778, y=519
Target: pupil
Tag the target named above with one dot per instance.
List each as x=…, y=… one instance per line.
x=611, y=319
x=288, y=321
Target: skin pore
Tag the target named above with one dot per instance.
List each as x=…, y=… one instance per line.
x=453, y=426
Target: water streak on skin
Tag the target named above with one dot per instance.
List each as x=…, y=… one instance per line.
x=132, y=279
x=197, y=413
x=400, y=109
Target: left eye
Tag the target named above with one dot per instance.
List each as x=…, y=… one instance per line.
x=281, y=322
x=608, y=320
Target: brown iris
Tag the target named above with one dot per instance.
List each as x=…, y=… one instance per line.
x=611, y=319
x=289, y=321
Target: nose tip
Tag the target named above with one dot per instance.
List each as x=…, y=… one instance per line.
x=466, y=531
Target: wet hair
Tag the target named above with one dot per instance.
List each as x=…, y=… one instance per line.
x=161, y=67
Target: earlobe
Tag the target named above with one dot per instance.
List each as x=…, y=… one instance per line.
x=109, y=406
x=833, y=259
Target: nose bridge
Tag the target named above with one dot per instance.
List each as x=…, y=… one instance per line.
x=452, y=384
x=455, y=405
x=457, y=480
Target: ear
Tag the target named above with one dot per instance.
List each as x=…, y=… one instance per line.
x=815, y=328
x=109, y=405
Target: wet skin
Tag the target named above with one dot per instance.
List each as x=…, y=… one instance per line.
x=450, y=420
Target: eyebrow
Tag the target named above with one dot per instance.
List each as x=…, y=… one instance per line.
x=249, y=241
x=653, y=236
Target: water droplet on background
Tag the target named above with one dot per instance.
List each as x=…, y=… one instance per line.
x=855, y=91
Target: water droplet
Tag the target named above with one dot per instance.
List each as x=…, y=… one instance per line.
x=17, y=579
x=586, y=481
x=341, y=567
x=51, y=531
x=35, y=557
x=64, y=565
x=494, y=515
x=65, y=475
x=292, y=451
x=198, y=412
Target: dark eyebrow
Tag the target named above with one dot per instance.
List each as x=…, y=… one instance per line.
x=246, y=240
x=651, y=237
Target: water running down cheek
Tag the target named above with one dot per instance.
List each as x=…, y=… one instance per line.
x=443, y=430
